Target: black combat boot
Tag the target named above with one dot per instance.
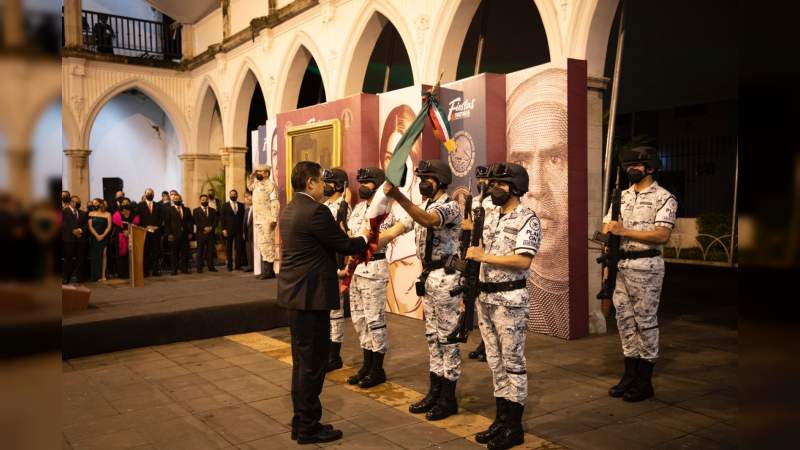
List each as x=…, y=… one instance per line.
x=642, y=387
x=499, y=422
x=430, y=398
x=479, y=350
x=631, y=365
x=511, y=434
x=446, y=406
x=270, y=270
x=376, y=374
x=334, y=357
x=362, y=372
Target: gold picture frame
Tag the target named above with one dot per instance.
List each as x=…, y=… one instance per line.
x=318, y=141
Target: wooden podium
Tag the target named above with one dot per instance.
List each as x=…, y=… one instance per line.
x=136, y=238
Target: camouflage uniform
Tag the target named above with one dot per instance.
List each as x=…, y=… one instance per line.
x=337, y=315
x=368, y=289
x=440, y=308
x=503, y=316
x=639, y=281
x=265, y=215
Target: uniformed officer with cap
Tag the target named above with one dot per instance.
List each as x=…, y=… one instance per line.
x=647, y=216
x=265, y=216
x=368, y=288
x=437, y=225
x=336, y=181
x=511, y=237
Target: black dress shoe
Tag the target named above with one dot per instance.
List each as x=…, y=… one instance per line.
x=323, y=425
x=321, y=435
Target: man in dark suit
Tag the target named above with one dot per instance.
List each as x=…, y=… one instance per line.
x=232, y=223
x=205, y=219
x=179, y=226
x=150, y=217
x=309, y=288
x=74, y=232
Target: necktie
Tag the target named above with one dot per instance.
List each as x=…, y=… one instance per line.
x=235, y=209
x=180, y=211
x=150, y=207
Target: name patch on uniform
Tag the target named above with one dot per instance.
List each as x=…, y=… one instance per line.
x=511, y=230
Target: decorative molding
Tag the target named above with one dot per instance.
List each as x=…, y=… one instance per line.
x=421, y=26
x=326, y=11
x=199, y=156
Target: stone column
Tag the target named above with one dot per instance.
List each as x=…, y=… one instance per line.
x=77, y=172
x=594, y=165
x=233, y=158
x=19, y=172
x=73, y=29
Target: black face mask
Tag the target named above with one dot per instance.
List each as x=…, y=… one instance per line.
x=426, y=189
x=65, y=199
x=365, y=192
x=259, y=177
x=91, y=208
x=499, y=196
x=635, y=176
x=178, y=202
x=149, y=197
x=204, y=204
x=234, y=198
x=77, y=205
x=327, y=191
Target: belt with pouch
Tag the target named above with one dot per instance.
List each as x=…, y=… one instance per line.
x=438, y=264
x=639, y=254
x=504, y=286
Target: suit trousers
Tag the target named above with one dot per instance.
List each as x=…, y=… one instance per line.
x=179, y=249
x=205, y=250
x=152, y=248
x=234, y=246
x=74, y=260
x=310, y=332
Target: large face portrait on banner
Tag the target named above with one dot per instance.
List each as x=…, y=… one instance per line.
x=318, y=141
x=537, y=139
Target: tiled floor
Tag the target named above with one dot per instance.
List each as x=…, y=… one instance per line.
x=233, y=392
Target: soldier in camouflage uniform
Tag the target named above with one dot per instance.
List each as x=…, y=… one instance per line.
x=511, y=237
x=647, y=215
x=335, y=182
x=438, y=227
x=368, y=289
x=265, y=216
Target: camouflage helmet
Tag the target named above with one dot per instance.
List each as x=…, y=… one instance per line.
x=436, y=169
x=641, y=155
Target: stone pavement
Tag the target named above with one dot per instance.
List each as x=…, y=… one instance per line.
x=233, y=392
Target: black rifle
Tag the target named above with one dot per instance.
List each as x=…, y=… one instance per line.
x=465, y=234
x=470, y=271
x=341, y=220
x=610, y=256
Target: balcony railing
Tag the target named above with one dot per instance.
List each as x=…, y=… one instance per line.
x=127, y=36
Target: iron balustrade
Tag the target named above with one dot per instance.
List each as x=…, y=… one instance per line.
x=129, y=36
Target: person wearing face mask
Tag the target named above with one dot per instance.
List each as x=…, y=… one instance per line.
x=151, y=217
x=74, y=232
x=511, y=237
x=647, y=216
x=336, y=180
x=308, y=288
x=265, y=217
x=437, y=226
x=179, y=227
x=368, y=288
x=99, y=226
x=205, y=220
x=232, y=231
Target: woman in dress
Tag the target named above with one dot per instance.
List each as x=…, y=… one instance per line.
x=100, y=228
x=122, y=219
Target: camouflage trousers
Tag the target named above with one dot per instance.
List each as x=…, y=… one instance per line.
x=265, y=241
x=441, y=318
x=636, y=298
x=503, y=330
x=337, y=321
x=368, y=311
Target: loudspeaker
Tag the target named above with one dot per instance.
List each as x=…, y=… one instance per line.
x=110, y=187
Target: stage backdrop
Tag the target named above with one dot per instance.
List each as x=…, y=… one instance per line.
x=546, y=132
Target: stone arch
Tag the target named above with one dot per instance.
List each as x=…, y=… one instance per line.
x=458, y=14
x=295, y=63
x=239, y=108
x=172, y=110
x=70, y=127
x=597, y=32
x=208, y=96
x=368, y=28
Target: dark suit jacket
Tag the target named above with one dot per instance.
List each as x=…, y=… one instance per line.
x=231, y=222
x=201, y=220
x=175, y=226
x=69, y=223
x=248, y=224
x=311, y=239
x=146, y=218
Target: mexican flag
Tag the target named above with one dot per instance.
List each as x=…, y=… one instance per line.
x=380, y=205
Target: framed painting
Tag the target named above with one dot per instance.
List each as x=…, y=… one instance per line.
x=317, y=141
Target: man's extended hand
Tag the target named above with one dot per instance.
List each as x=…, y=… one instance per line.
x=390, y=190
x=615, y=227
x=475, y=253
